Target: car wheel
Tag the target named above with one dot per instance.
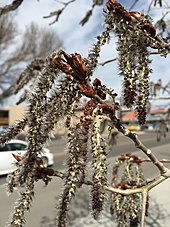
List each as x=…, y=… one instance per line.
x=45, y=162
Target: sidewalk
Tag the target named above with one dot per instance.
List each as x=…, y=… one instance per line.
x=43, y=210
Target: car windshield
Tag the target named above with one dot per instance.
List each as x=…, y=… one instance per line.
x=4, y=147
x=13, y=147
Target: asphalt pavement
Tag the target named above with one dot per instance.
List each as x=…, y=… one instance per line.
x=124, y=145
x=43, y=211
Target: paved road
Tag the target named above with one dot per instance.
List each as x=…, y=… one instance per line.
x=124, y=145
x=43, y=209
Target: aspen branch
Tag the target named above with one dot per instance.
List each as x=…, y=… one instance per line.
x=57, y=13
x=163, y=170
x=147, y=187
x=117, y=123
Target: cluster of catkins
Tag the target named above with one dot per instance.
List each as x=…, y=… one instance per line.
x=47, y=103
x=127, y=174
x=135, y=34
x=58, y=84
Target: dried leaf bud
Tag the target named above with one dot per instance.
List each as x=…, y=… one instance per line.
x=77, y=64
x=17, y=157
x=101, y=94
x=107, y=107
x=65, y=68
x=110, y=5
x=149, y=29
x=124, y=185
x=126, y=16
x=96, y=83
x=135, y=15
x=119, y=9
x=87, y=91
x=62, y=64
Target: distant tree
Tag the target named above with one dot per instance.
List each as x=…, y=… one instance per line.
x=17, y=50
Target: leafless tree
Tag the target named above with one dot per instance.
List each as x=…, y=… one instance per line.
x=17, y=50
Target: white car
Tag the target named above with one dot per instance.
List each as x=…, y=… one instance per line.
x=18, y=147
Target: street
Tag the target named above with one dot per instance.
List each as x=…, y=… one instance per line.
x=124, y=145
x=43, y=209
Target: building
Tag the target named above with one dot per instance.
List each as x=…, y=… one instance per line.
x=4, y=119
x=129, y=119
x=153, y=118
x=16, y=113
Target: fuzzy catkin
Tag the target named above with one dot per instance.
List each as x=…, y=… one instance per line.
x=76, y=166
x=99, y=168
x=133, y=55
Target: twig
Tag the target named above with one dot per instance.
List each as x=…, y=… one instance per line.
x=57, y=13
x=149, y=8
x=90, y=11
x=144, y=204
x=162, y=160
x=157, y=180
x=108, y=61
x=135, y=2
x=11, y=7
x=147, y=187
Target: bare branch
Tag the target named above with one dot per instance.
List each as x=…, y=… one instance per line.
x=89, y=13
x=108, y=61
x=57, y=13
x=11, y=7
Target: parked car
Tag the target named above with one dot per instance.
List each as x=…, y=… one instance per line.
x=18, y=147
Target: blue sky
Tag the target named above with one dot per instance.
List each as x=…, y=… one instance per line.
x=80, y=39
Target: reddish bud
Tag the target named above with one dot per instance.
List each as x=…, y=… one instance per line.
x=77, y=64
x=135, y=15
x=135, y=158
x=119, y=9
x=124, y=185
x=122, y=157
x=149, y=29
x=72, y=64
x=107, y=107
x=87, y=91
x=17, y=157
x=96, y=83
